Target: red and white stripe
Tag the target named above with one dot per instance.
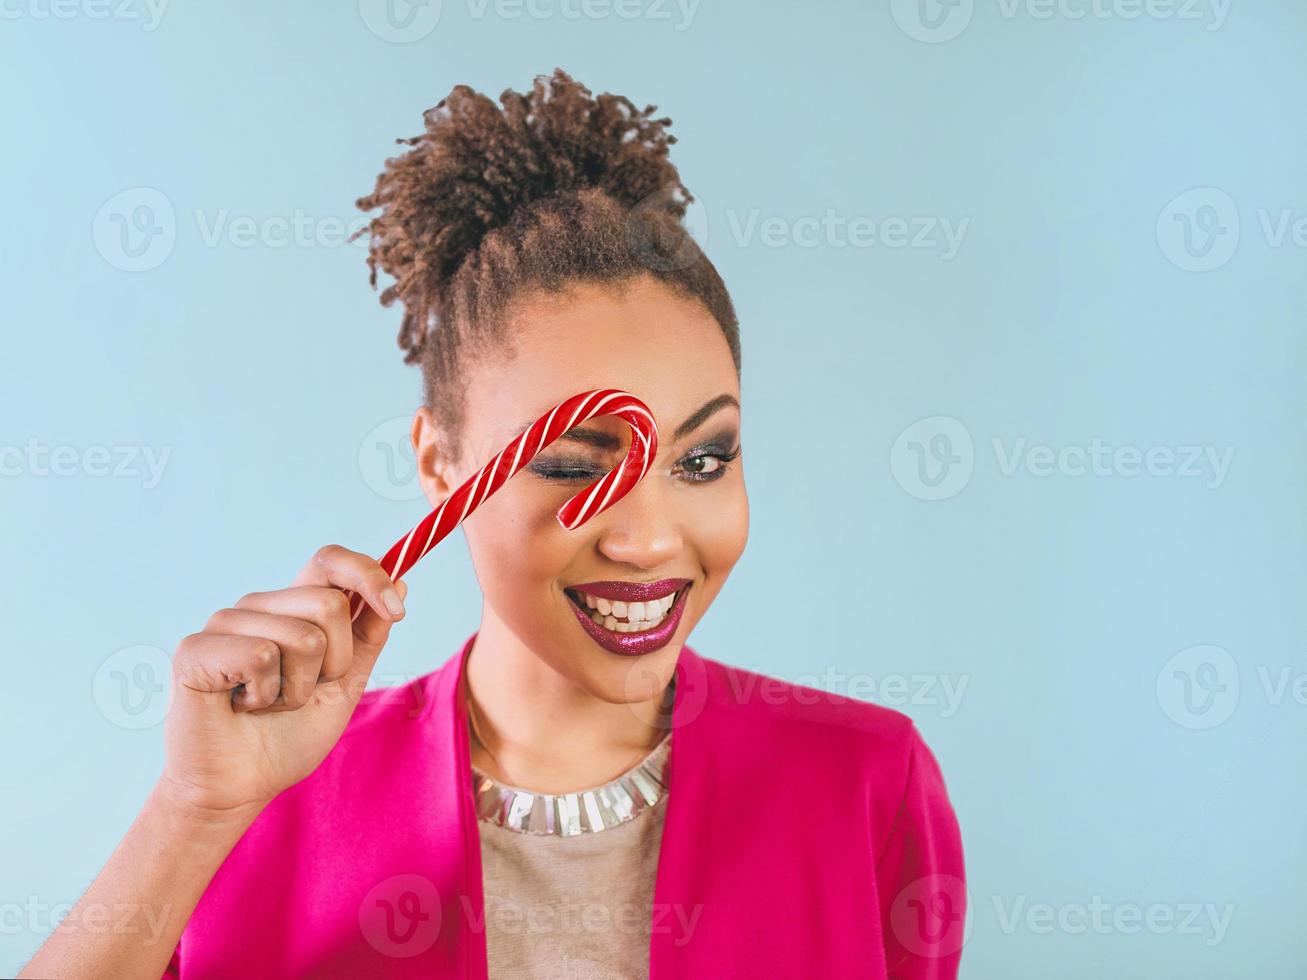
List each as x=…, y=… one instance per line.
x=593, y=500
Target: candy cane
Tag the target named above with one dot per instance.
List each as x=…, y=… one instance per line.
x=594, y=499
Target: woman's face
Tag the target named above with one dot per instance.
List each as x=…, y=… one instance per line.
x=687, y=519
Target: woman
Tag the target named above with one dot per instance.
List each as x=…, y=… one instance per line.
x=576, y=792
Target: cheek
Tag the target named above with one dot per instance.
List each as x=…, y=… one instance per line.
x=721, y=529
x=517, y=545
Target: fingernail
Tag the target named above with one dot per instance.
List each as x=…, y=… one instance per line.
x=392, y=600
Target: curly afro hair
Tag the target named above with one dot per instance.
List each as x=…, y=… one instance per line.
x=546, y=189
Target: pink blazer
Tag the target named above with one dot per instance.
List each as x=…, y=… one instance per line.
x=806, y=835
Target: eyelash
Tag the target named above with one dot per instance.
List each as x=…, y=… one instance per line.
x=581, y=473
x=724, y=458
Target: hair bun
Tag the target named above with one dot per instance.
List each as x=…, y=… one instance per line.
x=477, y=164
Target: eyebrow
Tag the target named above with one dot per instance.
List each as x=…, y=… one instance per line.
x=603, y=440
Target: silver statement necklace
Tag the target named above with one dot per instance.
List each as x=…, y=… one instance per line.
x=583, y=812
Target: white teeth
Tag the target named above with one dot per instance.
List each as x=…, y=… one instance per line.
x=628, y=617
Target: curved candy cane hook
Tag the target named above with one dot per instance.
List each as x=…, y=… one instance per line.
x=593, y=500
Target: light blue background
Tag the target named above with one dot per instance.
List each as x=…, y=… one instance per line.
x=1066, y=315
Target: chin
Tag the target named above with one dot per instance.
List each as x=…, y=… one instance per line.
x=629, y=680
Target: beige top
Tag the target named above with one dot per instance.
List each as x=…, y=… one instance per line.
x=569, y=880
x=575, y=907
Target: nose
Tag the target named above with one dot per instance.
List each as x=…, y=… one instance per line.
x=641, y=529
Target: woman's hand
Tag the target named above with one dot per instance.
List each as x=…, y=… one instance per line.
x=259, y=697
x=262, y=693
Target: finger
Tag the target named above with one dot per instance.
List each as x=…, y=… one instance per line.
x=323, y=606
x=345, y=569
x=303, y=645
x=372, y=630
x=242, y=671
x=370, y=633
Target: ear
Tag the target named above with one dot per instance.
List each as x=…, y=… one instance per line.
x=436, y=471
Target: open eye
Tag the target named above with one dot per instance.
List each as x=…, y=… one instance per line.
x=706, y=463
x=700, y=467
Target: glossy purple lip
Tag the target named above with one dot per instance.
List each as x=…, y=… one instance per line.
x=634, y=644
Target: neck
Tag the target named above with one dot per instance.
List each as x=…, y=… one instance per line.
x=541, y=731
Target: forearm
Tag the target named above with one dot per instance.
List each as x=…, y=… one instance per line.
x=128, y=922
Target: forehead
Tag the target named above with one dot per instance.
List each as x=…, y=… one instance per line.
x=647, y=339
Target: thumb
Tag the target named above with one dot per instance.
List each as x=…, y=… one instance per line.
x=370, y=634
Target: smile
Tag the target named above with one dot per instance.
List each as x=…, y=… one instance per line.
x=630, y=617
